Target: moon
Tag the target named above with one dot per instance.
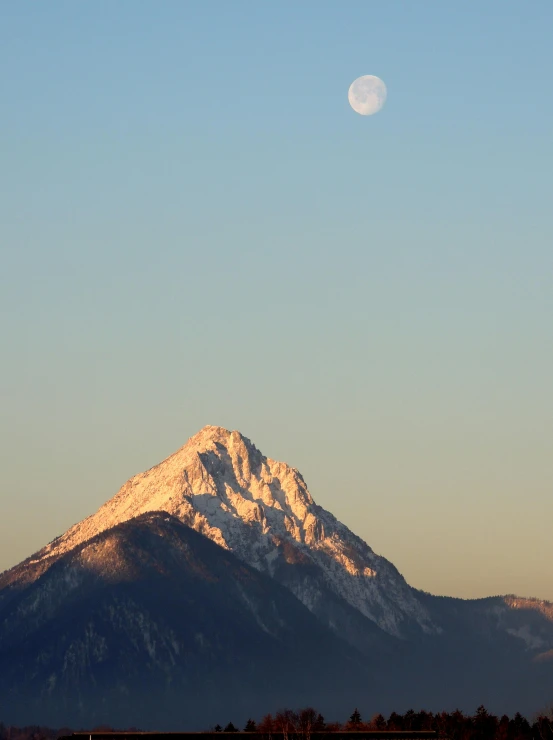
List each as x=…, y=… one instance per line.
x=367, y=95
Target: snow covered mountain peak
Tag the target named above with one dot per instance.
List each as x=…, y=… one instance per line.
x=220, y=484
x=222, y=474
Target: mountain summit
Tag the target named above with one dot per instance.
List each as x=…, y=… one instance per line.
x=222, y=486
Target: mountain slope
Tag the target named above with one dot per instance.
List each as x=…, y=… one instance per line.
x=150, y=623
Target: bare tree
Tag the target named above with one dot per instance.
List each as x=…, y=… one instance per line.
x=286, y=721
x=545, y=723
x=308, y=721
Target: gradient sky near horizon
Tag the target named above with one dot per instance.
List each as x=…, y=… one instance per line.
x=195, y=228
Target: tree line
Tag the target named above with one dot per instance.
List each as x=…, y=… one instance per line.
x=301, y=723
x=482, y=725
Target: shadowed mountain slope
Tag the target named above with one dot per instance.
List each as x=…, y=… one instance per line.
x=152, y=624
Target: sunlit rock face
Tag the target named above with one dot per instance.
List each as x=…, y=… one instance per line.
x=220, y=484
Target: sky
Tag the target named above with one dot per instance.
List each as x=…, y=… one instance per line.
x=196, y=228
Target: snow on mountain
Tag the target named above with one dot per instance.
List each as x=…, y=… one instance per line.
x=261, y=510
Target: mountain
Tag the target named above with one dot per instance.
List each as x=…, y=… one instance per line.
x=380, y=639
x=260, y=509
x=149, y=623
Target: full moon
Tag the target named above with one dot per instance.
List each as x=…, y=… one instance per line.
x=367, y=95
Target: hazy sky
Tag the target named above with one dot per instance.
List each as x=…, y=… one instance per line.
x=195, y=228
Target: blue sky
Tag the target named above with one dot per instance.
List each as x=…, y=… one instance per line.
x=196, y=228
